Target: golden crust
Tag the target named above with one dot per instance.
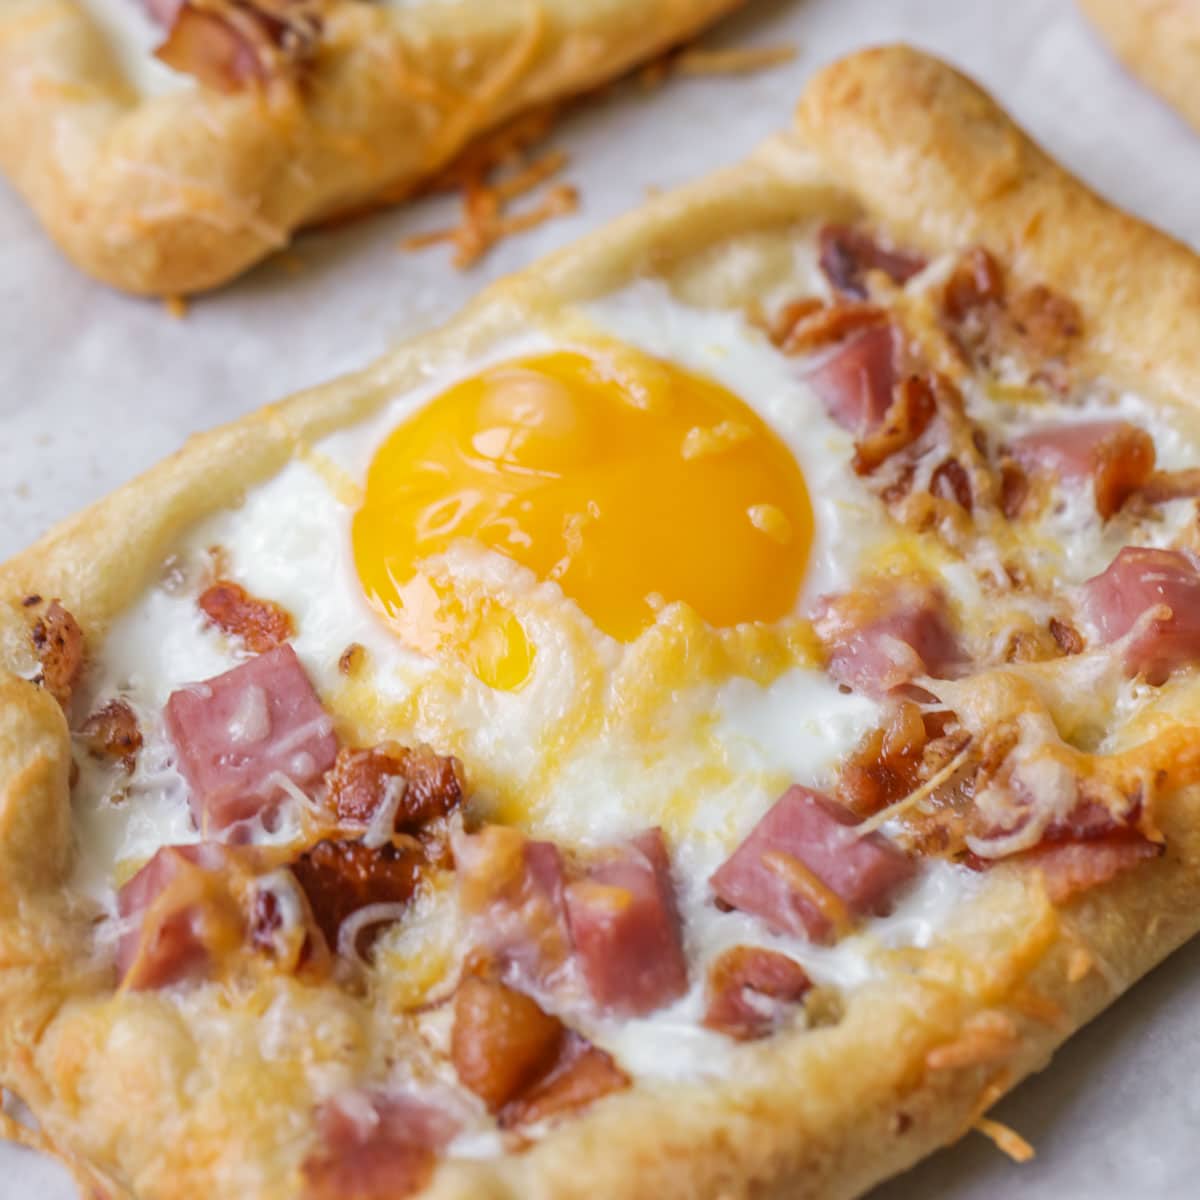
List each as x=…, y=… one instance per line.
x=182, y=191
x=1159, y=40
x=919, y=1054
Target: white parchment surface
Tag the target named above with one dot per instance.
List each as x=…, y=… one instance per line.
x=94, y=387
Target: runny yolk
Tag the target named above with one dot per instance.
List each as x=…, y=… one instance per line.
x=625, y=480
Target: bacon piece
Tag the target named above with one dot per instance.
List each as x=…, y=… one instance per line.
x=855, y=379
x=1076, y=866
x=582, y=1074
x=188, y=914
x=805, y=870
x=847, y=254
x=511, y=890
x=260, y=624
x=626, y=930
x=229, y=45
x=1164, y=486
x=341, y=877
x=880, y=638
x=1153, y=598
x=911, y=411
x=373, y=1146
x=1118, y=457
x=429, y=785
x=244, y=736
x=750, y=990
x=502, y=1041
x=112, y=732
x=58, y=643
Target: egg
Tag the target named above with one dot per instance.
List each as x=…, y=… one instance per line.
x=584, y=563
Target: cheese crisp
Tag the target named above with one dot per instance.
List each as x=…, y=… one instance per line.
x=167, y=145
x=706, y=723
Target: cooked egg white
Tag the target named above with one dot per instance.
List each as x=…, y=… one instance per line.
x=618, y=723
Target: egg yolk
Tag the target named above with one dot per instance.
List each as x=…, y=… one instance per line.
x=627, y=481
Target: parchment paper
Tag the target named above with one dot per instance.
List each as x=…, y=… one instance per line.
x=94, y=387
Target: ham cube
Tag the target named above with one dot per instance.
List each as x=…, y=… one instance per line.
x=1118, y=457
x=175, y=910
x=511, y=889
x=244, y=736
x=881, y=638
x=1152, y=597
x=854, y=380
x=805, y=870
x=626, y=929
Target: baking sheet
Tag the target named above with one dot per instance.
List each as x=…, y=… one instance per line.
x=95, y=386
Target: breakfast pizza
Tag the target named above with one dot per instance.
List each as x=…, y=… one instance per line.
x=706, y=723
x=167, y=145
x=1160, y=41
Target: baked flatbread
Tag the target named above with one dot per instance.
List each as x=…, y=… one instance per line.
x=707, y=722
x=172, y=174
x=1159, y=40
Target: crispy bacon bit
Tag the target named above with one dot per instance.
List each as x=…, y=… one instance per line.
x=750, y=990
x=793, y=315
x=801, y=328
x=502, y=1042
x=511, y=890
x=805, y=869
x=112, y=732
x=892, y=761
x=1164, y=486
x=881, y=637
x=31, y=601
x=352, y=658
x=626, y=929
x=1152, y=599
x=1068, y=868
x=58, y=643
x=1066, y=636
x=582, y=1074
x=950, y=481
x=341, y=877
x=848, y=255
x=375, y=1147
x=1117, y=456
x=1047, y=322
x=229, y=45
x=912, y=409
x=428, y=785
x=976, y=283
x=1014, y=488
x=260, y=624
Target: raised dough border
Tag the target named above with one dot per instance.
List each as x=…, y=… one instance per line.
x=180, y=192
x=825, y=1113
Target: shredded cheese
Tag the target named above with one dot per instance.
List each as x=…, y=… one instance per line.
x=1005, y=1139
x=738, y=60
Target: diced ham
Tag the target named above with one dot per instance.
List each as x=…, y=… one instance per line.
x=58, y=643
x=341, y=877
x=626, y=928
x=244, y=736
x=805, y=869
x=511, y=889
x=879, y=639
x=581, y=1075
x=112, y=733
x=1152, y=598
x=419, y=785
x=179, y=912
x=1118, y=457
x=750, y=990
x=502, y=1041
x=1068, y=868
x=261, y=625
x=846, y=254
x=855, y=379
x=375, y=1146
